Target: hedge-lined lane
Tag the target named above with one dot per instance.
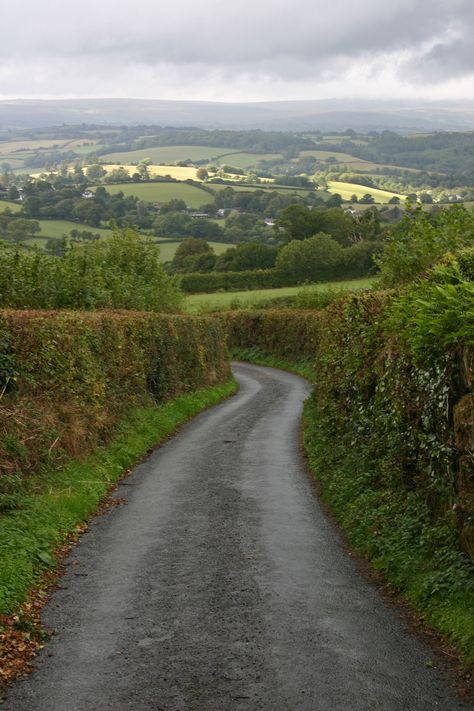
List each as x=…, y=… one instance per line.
x=222, y=586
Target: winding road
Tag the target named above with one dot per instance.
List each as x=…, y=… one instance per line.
x=221, y=586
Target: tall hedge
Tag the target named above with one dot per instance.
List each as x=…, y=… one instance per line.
x=410, y=411
x=67, y=377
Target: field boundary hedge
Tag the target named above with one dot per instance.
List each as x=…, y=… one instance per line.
x=389, y=435
x=67, y=377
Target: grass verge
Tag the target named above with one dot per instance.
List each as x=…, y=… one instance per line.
x=393, y=528
x=254, y=355
x=54, y=504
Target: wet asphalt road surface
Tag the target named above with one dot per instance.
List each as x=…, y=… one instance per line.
x=221, y=586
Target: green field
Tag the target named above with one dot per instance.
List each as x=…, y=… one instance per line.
x=168, y=250
x=7, y=205
x=57, y=228
x=163, y=192
x=346, y=190
x=33, y=145
x=201, y=303
x=167, y=154
x=247, y=160
x=340, y=157
x=241, y=187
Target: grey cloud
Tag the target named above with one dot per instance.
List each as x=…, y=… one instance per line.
x=276, y=38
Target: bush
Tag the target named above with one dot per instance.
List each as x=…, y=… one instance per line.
x=123, y=271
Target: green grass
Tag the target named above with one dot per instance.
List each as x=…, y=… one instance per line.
x=247, y=160
x=167, y=154
x=163, y=192
x=202, y=303
x=168, y=250
x=57, y=228
x=7, y=205
x=55, y=503
x=254, y=355
x=340, y=157
x=418, y=556
x=346, y=190
x=288, y=190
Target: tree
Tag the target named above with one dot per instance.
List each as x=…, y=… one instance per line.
x=247, y=256
x=13, y=193
x=142, y=170
x=202, y=174
x=89, y=212
x=367, y=199
x=95, y=172
x=419, y=240
x=334, y=201
x=118, y=175
x=194, y=255
x=174, y=205
x=317, y=258
x=21, y=229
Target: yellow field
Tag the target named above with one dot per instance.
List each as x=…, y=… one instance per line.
x=175, y=171
x=347, y=190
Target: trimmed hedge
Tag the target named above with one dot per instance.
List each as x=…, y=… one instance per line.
x=67, y=377
x=200, y=282
x=356, y=261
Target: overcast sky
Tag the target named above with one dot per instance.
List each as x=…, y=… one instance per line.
x=241, y=50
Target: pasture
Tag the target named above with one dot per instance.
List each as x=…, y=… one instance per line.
x=347, y=190
x=193, y=196
x=8, y=147
x=58, y=228
x=246, y=160
x=167, y=154
x=7, y=205
x=242, y=187
x=202, y=303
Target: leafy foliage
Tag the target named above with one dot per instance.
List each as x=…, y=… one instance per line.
x=72, y=375
x=419, y=240
x=123, y=271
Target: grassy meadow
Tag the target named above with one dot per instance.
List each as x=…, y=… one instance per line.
x=246, y=160
x=167, y=154
x=58, y=228
x=202, y=303
x=163, y=192
x=7, y=205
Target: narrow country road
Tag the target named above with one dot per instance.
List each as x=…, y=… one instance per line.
x=221, y=586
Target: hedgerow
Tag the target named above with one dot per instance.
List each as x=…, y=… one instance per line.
x=67, y=377
x=389, y=428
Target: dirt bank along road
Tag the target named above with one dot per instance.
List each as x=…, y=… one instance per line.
x=221, y=586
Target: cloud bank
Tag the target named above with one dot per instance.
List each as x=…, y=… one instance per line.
x=250, y=50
